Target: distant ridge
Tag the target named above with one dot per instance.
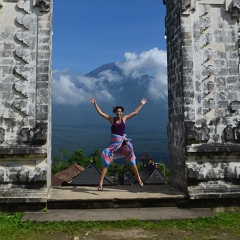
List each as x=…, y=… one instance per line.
x=109, y=66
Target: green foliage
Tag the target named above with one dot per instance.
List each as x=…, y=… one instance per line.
x=44, y=209
x=121, y=171
x=79, y=158
x=12, y=227
x=111, y=168
x=164, y=170
x=60, y=162
x=64, y=161
x=95, y=156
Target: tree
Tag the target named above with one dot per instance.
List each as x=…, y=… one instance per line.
x=60, y=162
x=95, y=156
x=79, y=158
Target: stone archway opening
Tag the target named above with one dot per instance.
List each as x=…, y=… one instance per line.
x=154, y=141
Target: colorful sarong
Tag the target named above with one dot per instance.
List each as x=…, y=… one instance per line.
x=117, y=150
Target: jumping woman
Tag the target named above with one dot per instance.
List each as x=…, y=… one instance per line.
x=119, y=144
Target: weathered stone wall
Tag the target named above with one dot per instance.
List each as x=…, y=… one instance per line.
x=176, y=128
x=25, y=99
x=211, y=96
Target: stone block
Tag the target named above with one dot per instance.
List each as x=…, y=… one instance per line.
x=42, y=112
x=42, y=77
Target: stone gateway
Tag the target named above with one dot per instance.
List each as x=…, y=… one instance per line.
x=203, y=39
x=25, y=100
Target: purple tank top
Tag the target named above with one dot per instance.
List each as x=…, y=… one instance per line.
x=118, y=129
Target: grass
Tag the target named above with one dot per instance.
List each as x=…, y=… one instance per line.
x=224, y=226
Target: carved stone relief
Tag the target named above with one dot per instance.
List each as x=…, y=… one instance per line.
x=229, y=123
x=213, y=84
x=232, y=134
x=2, y=133
x=196, y=135
x=22, y=174
x=25, y=82
x=44, y=5
x=205, y=171
x=188, y=5
x=2, y=174
x=27, y=175
x=234, y=107
x=25, y=72
x=25, y=101
x=234, y=8
x=36, y=135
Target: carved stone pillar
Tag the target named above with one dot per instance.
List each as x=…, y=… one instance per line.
x=25, y=99
x=204, y=96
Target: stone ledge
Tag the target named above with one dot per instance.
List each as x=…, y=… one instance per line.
x=23, y=200
x=22, y=150
x=21, y=205
x=232, y=195
x=214, y=148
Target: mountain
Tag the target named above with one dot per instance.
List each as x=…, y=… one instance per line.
x=110, y=66
x=80, y=127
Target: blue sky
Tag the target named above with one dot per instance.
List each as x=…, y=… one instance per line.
x=89, y=33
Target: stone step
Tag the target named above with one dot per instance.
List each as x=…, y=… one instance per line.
x=143, y=214
x=88, y=197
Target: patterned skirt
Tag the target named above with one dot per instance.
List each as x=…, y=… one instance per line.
x=119, y=146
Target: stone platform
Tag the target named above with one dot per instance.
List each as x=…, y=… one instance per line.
x=87, y=197
x=114, y=203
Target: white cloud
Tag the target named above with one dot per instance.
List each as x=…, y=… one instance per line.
x=111, y=76
x=153, y=63
x=75, y=89
x=65, y=91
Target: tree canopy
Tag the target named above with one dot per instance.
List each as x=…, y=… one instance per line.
x=65, y=160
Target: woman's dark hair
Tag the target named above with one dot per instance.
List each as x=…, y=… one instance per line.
x=115, y=108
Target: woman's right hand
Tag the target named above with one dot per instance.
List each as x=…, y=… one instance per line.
x=143, y=101
x=93, y=100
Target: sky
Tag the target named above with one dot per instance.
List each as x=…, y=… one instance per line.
x=90, y=33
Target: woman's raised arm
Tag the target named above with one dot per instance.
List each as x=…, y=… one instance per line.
x=143, y=102
x=101, y=113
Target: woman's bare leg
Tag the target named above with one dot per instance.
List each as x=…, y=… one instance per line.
x=134, y=167
x=104, y=171
x=135, y=170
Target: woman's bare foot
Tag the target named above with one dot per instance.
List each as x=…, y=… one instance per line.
x=140, y=184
